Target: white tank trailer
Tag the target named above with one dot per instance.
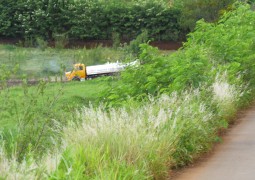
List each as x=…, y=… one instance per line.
x=106, y=69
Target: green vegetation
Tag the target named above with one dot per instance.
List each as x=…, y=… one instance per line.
x=69, y=96
x=87, y=19
x=158, y=115
x=209, y=10
x=38, y=63
x=61, y=20
x=212, y=50
x=32, y=117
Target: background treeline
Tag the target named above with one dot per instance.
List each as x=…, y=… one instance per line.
x=88, y=19
x=106, y=19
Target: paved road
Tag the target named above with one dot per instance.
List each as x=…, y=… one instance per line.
x=234, y=159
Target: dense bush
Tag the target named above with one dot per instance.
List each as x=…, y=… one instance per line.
x=87, y=19
x=214, y=48
x=209, y=10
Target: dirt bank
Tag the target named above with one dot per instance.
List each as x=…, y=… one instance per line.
x=163, y=45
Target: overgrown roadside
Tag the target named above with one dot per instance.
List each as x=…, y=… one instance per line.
x=233, y=159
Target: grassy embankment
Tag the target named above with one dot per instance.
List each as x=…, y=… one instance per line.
x=69, y=96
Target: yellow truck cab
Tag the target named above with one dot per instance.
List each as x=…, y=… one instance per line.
x=78, y=73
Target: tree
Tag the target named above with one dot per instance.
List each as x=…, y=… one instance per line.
x=194, y=10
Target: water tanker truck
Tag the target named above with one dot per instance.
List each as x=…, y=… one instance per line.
x=81, y=72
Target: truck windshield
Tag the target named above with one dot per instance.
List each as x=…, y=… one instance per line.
x=78, y=68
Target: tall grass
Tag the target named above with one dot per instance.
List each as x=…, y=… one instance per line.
x=129, y=142
x=144, y=143
x=10, y=168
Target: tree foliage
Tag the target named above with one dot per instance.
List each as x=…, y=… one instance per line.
x=194, y=10
x=88, y=19
x=213, y=48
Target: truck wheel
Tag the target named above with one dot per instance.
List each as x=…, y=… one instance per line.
x=76, y=78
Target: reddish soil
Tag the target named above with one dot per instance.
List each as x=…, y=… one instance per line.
x=163, y=45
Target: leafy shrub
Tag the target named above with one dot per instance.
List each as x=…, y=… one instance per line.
x=134, y=46
x=158, y=74
x=42, y=44
x=36, y=132
x=192, y=11
x=61, y=40
x=213, y=48
x=115, y=40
